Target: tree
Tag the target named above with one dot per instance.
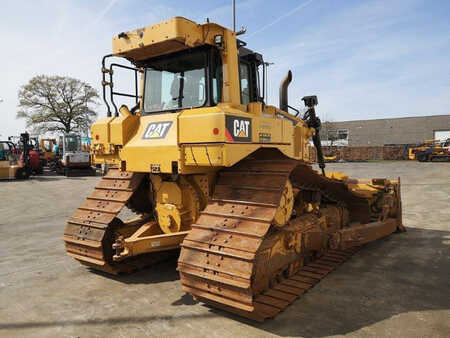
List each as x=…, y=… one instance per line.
x=57, y=104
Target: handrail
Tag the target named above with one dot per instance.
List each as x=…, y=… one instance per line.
x=110, y=83
x=104, y=71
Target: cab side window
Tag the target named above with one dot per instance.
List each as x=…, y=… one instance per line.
x=217, y=77
x=244, y=76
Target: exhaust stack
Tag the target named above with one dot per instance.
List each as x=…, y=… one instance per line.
x=284, y=91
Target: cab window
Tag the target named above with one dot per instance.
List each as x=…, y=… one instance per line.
x=176, y=82
x=216, y=75
x=244, y=76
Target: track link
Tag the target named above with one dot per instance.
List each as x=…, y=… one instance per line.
x=225, y=256
x=277, y=298
x=89, y=233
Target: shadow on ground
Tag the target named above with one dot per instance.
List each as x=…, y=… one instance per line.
x=48, y=176
x=100, y=321
x=402, y=273
x=160, y=272
x=53, y=177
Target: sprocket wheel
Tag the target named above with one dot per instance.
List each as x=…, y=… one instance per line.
x=286, y=206
x=174, y=218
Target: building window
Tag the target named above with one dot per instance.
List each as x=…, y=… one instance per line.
x=342, y=134
x=331, y=135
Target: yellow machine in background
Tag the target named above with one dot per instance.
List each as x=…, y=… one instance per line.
x=15, y=163
x=433, y=150
x=209, y=166
x=46, y=147
x=330, y=158
x=412, y=151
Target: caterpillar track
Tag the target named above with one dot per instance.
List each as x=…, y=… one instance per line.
x=277, y=298
x=91, y=231
x=235, y=258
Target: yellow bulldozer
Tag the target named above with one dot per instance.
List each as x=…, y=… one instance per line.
x=212, y=169
x=433, y=150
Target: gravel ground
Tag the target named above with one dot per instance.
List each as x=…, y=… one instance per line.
x=398, y=286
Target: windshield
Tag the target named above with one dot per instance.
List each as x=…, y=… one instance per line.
x=72, y=143
x=176, y=82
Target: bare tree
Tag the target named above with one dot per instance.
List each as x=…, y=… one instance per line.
x=57, y=104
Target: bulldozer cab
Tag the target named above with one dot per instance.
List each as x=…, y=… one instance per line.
x=189, y=76
x=184, y=65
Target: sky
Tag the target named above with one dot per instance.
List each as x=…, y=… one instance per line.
x=363, y=59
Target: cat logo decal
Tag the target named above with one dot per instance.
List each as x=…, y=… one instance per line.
x=238, y=129
x=157, y=130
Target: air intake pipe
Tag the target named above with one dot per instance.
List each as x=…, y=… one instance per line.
x=284, y=91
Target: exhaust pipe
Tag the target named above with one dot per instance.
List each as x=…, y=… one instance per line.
x=284, y=91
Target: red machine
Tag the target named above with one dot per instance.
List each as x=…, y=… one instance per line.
x=35, y=162
x=33, y=152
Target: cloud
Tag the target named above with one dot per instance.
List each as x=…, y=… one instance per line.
x=370, y=59
x=104, y=12
x=46, y=37
x=280, y=18
x=223, y=14
x=37, y=46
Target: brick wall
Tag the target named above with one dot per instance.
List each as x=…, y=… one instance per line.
x=365, y=153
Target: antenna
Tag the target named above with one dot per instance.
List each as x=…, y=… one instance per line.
x=243, y=30
x=234, y=15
